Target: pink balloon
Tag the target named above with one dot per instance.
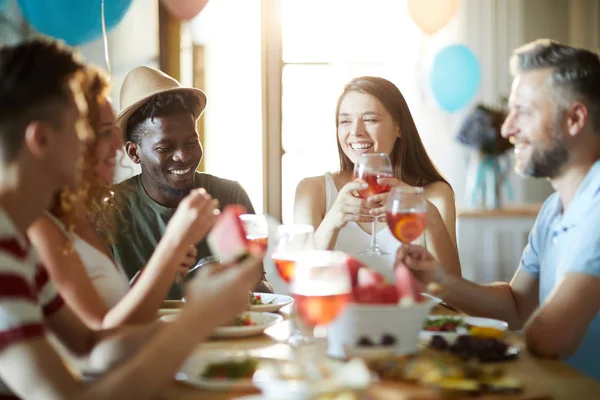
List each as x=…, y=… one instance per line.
x=184, y=9
x=432, y=15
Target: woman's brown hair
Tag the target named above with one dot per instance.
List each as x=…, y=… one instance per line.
x=409, y=158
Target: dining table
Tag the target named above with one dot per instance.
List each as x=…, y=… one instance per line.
x=541, y=378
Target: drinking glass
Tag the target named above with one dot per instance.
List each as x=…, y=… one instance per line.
x=406, y=213
x=369, y=168
x=321, y=288
x=257, y=230
x=291, y=241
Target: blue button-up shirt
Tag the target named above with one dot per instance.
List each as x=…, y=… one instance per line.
x=570, y=242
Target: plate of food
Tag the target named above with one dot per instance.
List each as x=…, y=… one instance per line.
x=452, y=326
x=268, y=302
x=220, y=371
x=481, y=348
x=249, y=323
x=448, y=372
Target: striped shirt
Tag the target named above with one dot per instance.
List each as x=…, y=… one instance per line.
x=26, y=294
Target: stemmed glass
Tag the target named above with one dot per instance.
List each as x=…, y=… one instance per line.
x=321, y=288
x=406, y=213
x=369, y=168
x=291, y=241
x=257, y=230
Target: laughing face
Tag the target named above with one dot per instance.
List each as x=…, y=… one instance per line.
x=169, y=153
x=365, y=126
x=109, y=141
x=535, y=126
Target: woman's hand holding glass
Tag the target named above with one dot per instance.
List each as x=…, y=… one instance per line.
x=348, y=207
x=369, y=169
x=377, y=203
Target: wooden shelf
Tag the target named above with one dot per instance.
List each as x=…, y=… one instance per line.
x=513, y=211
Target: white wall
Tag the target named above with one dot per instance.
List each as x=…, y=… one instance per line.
x=132, y=43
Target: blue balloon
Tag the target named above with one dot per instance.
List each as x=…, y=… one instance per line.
x=74, y=21
x=455, y=77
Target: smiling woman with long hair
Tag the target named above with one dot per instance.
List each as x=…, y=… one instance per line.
x=70, y=237
x=373, y=117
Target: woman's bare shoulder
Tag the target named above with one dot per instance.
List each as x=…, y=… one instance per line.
x=439, y=189
x=312, y=185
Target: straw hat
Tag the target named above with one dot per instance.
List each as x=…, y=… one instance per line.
x=141, y=83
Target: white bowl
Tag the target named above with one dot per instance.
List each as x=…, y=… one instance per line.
x=373, y=321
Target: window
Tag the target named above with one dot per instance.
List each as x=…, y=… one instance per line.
x=324, y=45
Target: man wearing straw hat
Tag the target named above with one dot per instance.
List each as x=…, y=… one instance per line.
x=42, y=124
x=158, y=117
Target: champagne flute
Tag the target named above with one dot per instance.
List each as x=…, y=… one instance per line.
x=369, y=168
x=257, y=230
x=406, y=213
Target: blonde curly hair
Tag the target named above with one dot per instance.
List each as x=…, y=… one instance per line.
x=98, y=199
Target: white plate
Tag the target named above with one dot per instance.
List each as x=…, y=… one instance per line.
x=191, y=372
x=262, y=321
x=278, y=301
x=476, y=321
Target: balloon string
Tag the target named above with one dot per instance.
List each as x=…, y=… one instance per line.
x=105, y=37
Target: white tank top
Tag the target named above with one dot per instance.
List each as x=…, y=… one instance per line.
x=108, y=278
x=352, y=239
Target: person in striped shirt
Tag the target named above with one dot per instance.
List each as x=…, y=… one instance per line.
x=42, y=126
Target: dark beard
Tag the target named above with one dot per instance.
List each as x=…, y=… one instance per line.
x=548, y=163
x=176, y=193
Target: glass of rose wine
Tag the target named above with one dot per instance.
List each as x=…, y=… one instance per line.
x=368, y=169
x=406, y=213
x=291, y=241
x=257, y=230
x=321, y=288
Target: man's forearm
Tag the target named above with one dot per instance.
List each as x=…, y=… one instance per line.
x=113, y=347
x=156, y=363
x=494, y=300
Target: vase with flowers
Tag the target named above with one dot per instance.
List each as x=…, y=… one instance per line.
x=489, y=167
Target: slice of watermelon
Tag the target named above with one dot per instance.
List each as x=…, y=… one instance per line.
x=382, y=293
x=409, y=289
x=353, y=266
x=227, y=239
x=368, y=277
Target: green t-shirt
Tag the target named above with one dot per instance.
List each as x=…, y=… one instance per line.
x=143, y=221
